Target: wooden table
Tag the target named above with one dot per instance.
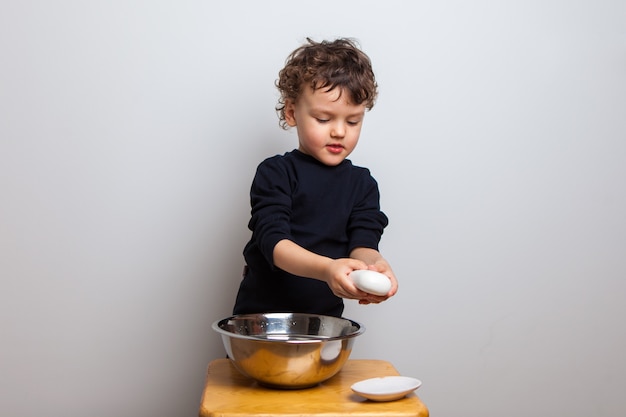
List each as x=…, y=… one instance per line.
x=227, y=393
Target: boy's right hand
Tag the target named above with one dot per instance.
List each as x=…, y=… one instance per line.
x=296, y=260
x=340, y=283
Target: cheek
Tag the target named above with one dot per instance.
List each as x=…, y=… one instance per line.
x=354, y=135
x=314, y=131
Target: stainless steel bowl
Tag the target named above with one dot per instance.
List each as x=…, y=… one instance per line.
x=288, y=350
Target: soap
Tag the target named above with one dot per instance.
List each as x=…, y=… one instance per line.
x=371, y=282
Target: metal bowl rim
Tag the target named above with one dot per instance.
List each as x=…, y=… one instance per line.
x=218, y=329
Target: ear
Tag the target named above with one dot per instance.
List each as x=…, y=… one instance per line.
x=290, y=112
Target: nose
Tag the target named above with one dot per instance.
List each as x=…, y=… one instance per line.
x=338, y=130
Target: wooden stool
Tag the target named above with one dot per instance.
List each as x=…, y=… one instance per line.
x=227, y=393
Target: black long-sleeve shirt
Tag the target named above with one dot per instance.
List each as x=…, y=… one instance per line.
x=329, y=210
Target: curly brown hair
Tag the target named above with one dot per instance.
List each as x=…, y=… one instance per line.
x=327, y=64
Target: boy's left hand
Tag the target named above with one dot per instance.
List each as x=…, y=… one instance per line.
x=383, y=267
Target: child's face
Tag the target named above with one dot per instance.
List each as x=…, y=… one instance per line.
x=328, y=124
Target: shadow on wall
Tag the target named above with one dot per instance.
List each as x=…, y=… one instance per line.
x=228, y=232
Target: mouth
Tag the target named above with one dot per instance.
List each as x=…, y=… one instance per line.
x=334, y=148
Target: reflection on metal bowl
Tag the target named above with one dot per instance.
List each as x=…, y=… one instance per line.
x=288, y=350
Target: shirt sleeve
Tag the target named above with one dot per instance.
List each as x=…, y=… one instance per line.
x=270, y=200
x=367, y=222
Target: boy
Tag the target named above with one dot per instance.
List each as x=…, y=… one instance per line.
x=315, y=217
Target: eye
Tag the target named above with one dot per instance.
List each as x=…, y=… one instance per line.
x=321, y=120
x=353, y=122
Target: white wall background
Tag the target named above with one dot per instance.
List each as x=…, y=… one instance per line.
x=129, y=134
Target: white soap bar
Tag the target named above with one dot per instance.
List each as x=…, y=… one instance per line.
x=371, y=282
